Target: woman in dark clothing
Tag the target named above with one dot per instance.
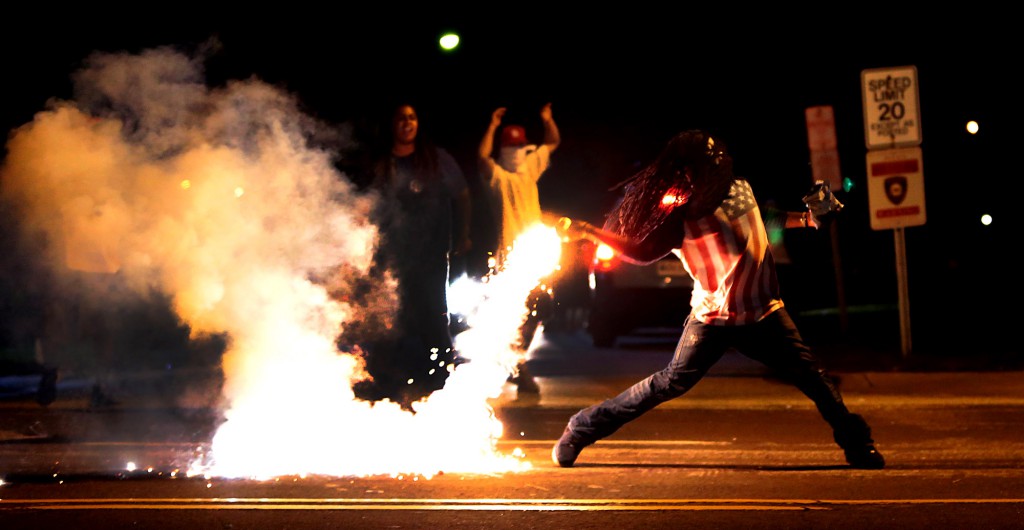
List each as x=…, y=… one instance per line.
x=423, y=217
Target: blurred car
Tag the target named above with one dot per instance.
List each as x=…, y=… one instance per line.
x=628, y=297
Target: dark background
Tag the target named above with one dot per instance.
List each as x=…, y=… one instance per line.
x=625, y=78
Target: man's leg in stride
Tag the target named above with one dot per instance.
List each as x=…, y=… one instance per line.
x=699, y=348
x=538, y=307
x=776, y=342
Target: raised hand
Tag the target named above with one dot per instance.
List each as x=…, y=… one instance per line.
x=497, y=115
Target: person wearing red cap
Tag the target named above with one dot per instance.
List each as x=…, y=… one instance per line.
x=514, y=175
x=689, y=203
x=516, y=201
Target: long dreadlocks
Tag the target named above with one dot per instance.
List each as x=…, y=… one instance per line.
x=693, y=169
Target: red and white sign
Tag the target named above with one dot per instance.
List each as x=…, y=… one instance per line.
x=821, y=140
x=821, y=128
x=896, y=188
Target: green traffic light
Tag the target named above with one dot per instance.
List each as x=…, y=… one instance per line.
x=847, y=184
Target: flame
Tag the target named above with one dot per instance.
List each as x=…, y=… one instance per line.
x=501, y=297
x=240, y=254
x=293, y=418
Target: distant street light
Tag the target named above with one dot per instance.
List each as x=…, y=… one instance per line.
x=972, y=127
x=449, y=41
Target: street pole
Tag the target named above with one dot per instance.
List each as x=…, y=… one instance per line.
x=904, y=293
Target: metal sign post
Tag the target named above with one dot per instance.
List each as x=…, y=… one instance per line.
x=821, y=140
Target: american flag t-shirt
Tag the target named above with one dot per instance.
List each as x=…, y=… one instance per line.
x=727, y=254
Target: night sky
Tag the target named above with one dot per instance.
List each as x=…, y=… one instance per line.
x=622, y=82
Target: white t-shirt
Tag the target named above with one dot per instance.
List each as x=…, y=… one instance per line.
x=514, y=196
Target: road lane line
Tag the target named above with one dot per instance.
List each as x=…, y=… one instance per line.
x=470, y=504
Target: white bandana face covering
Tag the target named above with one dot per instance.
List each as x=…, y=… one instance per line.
x=512, y=157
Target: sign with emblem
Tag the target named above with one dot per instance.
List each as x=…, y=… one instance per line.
x=891, y=115
x=896, y=188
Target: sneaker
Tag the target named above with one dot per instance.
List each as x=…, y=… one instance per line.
x=524, y=381
x=526, y=385
x=567, y=449
x=854, y=436
x=864, y=457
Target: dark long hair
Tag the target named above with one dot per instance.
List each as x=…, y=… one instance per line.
x=693, y=171
x=424, y=156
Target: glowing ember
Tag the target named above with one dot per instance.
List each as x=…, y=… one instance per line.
x=244, y=253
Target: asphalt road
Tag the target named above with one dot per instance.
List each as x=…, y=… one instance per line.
x=741, y=450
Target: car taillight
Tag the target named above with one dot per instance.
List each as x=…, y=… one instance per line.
x=605, y=258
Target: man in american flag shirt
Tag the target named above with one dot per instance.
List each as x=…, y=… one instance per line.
x=689, y=203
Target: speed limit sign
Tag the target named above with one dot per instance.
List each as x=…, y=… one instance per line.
x=891, y=115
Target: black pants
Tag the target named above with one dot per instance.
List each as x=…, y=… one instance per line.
x=774, y=341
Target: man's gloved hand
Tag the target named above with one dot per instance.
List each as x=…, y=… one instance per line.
x=821, y=202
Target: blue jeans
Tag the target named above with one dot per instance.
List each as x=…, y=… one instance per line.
x=774, y=341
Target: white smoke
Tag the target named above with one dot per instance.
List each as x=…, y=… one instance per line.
x=214, y=196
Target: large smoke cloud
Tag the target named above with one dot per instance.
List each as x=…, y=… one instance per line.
x=226, y=201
